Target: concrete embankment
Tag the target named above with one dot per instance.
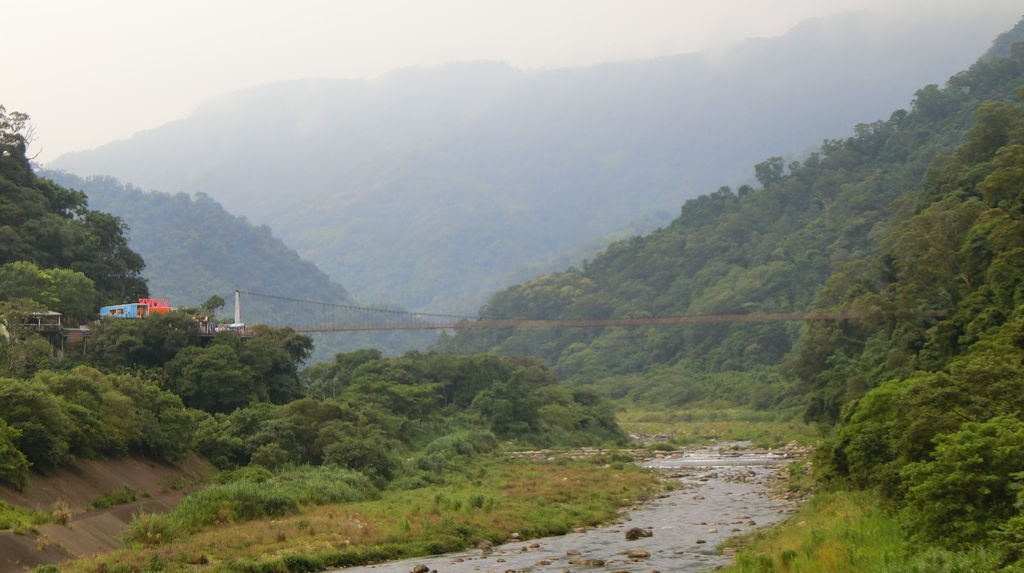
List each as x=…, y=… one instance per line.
x=157, y=487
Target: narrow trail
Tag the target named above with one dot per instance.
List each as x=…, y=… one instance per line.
x=721, y=493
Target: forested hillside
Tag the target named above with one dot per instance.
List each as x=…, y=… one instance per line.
x=195, y=249
x=54, y=250
x=917, y=224
x=765, y=249
x=925, y=415
x=432, y=187
x=941, y=433
x=158, y=388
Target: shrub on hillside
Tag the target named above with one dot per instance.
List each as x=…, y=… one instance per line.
x=13, y=464
x=969, y=488
x=149, y=529
x=41, y=424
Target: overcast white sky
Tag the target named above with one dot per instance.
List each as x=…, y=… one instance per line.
x=92, y=71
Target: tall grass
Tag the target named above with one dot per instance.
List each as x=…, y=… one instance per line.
x=848, y=532
x=252, y=495
x=320, y=485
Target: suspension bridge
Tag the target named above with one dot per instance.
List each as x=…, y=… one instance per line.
x=311, y=316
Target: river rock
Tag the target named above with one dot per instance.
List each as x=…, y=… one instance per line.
x=637, y=553
x=634, y=533
x=420, y=569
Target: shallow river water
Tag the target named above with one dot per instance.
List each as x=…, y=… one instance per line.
x=722, y=493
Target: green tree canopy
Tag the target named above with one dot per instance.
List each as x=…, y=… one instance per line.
x=68, y=292
x=52, y=227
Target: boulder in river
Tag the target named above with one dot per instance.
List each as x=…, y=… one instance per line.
x=634, y=533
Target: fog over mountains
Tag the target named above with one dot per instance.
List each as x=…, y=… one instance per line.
x=432, y=187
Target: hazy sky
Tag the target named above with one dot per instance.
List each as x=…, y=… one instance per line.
x=92, y=71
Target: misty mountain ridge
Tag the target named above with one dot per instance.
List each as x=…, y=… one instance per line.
x=432, y=187
x=194, y=249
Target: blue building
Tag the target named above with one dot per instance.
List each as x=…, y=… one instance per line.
x=130, y=310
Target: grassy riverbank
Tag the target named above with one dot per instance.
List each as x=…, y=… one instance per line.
x=849, y=532
x=833, y=532
x=487, y=500
x=705, y=424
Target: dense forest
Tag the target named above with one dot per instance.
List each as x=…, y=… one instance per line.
x=915, y=223
x=942, y=435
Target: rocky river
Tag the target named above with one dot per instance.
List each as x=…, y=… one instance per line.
x=722, y=491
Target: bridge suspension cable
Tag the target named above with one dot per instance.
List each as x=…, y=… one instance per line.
x=317, y=316
x=306, y=315
x=357, y=308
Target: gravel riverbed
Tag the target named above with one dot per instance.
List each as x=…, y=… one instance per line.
x=722, y=491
